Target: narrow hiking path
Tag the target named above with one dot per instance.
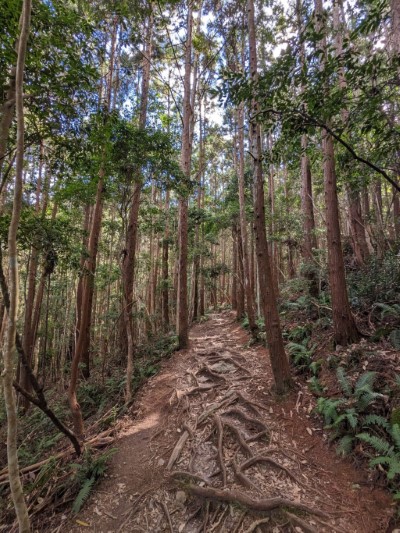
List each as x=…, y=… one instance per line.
x=208, y=447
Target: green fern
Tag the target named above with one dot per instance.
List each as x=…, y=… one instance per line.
x=379, y=444
x=395, y=434
x=388, y=310
x=376, y=420
x=365, y=380
x=83, y=494
x=343, y=381
x=345, y=445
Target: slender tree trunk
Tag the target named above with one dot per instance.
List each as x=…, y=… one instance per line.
x=243, y=225
x=83, y=341
x=186, y=154
x=307, y=204
x=279, y=361
x=165, y=268
x=345, y=330
x=128, y=267
x=234, y=270
x=10, y=351
x=240, y=306
x=357, y=227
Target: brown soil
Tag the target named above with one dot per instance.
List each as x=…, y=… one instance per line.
x=182, y=403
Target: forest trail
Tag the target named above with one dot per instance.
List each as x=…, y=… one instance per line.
x=211, y=404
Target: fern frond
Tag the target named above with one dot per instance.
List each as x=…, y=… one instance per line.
x=395, y=434
x=295, y=348
x=394, y=467
x=376, y=420
x=381, y=460
x=352, y=418
x=380, y=445
x=366, y=399
x=345, y=445
x=343, y=381
x=83, y=495
x=366, y=379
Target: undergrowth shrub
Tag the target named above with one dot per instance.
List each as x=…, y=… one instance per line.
x=377, y=282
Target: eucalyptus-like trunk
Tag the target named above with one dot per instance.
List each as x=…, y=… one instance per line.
x=279, y=361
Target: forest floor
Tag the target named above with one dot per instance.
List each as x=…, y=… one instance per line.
x=208, y=447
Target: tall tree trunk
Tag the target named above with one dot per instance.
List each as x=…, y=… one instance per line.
x=128, y=267
x=234, y=269
x=83, y=341
x=250, y=308
x=279, y=361
x=165, y=268
x=345, y=330
x=357, y=227
x=240, y=305
x=10, y=351
x=182, y=325
x=307, y=204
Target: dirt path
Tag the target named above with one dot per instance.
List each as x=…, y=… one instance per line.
x=208, y=441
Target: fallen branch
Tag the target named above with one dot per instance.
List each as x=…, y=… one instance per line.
x=98, y=441
x=40, y=401
x=178, y=449
x=168, y=516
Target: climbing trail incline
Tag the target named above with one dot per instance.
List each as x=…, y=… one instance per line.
x=209, y=448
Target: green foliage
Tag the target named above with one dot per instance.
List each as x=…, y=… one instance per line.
x=378, y=285
x=347, y=415
x=299, y=333
x=388, y=450
x=87, y=473
x=302, y=356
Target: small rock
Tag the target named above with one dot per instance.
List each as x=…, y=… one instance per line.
x=161, y=462
x=181, y=496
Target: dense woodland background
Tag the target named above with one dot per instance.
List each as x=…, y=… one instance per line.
x=160, y=161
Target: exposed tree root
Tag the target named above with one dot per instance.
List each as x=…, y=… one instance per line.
x=257, y=523
x=265, y=505
x=244, y=416
x=297, y=521
x=220, y=435
x=227, y=399
x=265, y=459
x=177, y=474
x=242, y=477
x=239, y=437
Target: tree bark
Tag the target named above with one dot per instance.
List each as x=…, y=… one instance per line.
x=128, y=266
x=83, y=341
x=182, y=325
x=9, y=354
x=345, y=330
x=250, y=308
x=279, y=361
